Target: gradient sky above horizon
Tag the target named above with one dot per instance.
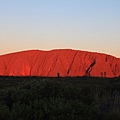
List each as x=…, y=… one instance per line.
x=90, y=25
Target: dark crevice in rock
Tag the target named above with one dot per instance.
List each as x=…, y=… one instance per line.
x=87, y=73
x=71, y=63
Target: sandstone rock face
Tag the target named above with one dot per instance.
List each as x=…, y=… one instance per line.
x=66, y=62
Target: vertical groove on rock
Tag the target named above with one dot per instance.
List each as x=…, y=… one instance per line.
x=52, y=66
x=7, y=64
x=87, y=73
x=71, y=63
x=33, y=63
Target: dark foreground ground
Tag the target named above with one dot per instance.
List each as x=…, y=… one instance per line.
x=78, y=98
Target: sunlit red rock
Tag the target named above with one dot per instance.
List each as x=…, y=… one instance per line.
x=66, y=62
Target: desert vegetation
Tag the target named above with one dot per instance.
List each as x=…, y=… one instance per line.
x=69, y=98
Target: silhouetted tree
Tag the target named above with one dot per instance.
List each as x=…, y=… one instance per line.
x=104, y=74
x=58, y=75
x=101, y=74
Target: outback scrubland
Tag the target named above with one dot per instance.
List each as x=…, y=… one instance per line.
x=63, y=98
